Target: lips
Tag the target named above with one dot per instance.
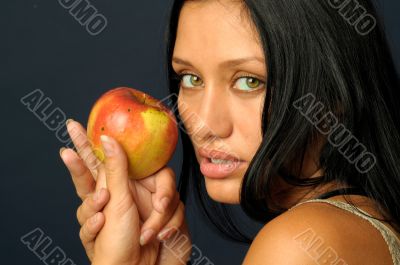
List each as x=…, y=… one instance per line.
x=206, y=153
x=218, y=171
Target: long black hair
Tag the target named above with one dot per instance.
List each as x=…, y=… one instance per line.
x=338, y=54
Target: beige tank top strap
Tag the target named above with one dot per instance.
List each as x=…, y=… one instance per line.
x=390, y=238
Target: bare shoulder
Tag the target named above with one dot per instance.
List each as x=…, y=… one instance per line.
x=318, y=233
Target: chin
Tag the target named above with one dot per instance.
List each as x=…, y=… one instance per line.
x=224, y=190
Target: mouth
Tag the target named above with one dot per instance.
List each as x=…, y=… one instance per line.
x=218, y=161
x=218, y=157
x=218, y=164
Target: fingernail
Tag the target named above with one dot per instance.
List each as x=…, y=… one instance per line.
x=164, y=203
x=165, y=234
x=68, y=121
x=107, y=145
x=145, y=236
x=62, y=150
x=95, y=218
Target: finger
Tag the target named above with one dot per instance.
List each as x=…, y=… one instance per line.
x=156, y=222
x=101, y=180
x=165, y=189
x=89, y=231
x=83, y=146
x=142, y=198
x=174, y=224
x=163, y=185
x=91, y=205
x=81, y=176
x=116, y=168
x=148, y=197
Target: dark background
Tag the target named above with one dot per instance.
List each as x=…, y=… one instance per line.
x=43, y=47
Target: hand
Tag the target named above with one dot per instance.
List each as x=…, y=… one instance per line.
x=90, y=179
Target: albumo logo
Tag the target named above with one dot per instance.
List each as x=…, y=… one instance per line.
x=86, y=14
x=355, y=14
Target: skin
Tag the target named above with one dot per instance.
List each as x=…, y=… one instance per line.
x=117, y=211
x=209, y=34
x=230, y=113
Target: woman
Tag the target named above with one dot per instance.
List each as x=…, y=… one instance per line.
x=288, y=108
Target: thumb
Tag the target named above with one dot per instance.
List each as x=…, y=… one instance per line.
x=116, y=168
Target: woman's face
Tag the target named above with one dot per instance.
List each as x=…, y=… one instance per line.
x=223, y=74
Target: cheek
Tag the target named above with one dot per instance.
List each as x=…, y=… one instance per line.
x=251, y=128
x=248, y=136
x=248, y=122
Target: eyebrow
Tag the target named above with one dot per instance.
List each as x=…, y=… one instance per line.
x=228, y=63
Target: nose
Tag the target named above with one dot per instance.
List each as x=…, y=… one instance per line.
x=211, y=118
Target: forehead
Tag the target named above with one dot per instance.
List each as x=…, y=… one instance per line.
x=216, y=29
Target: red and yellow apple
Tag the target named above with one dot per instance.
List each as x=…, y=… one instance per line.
x=142, y=125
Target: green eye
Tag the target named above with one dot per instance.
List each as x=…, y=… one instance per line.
x=189, y=80
x=248, y=83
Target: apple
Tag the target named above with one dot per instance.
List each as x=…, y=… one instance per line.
x=142, y=125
